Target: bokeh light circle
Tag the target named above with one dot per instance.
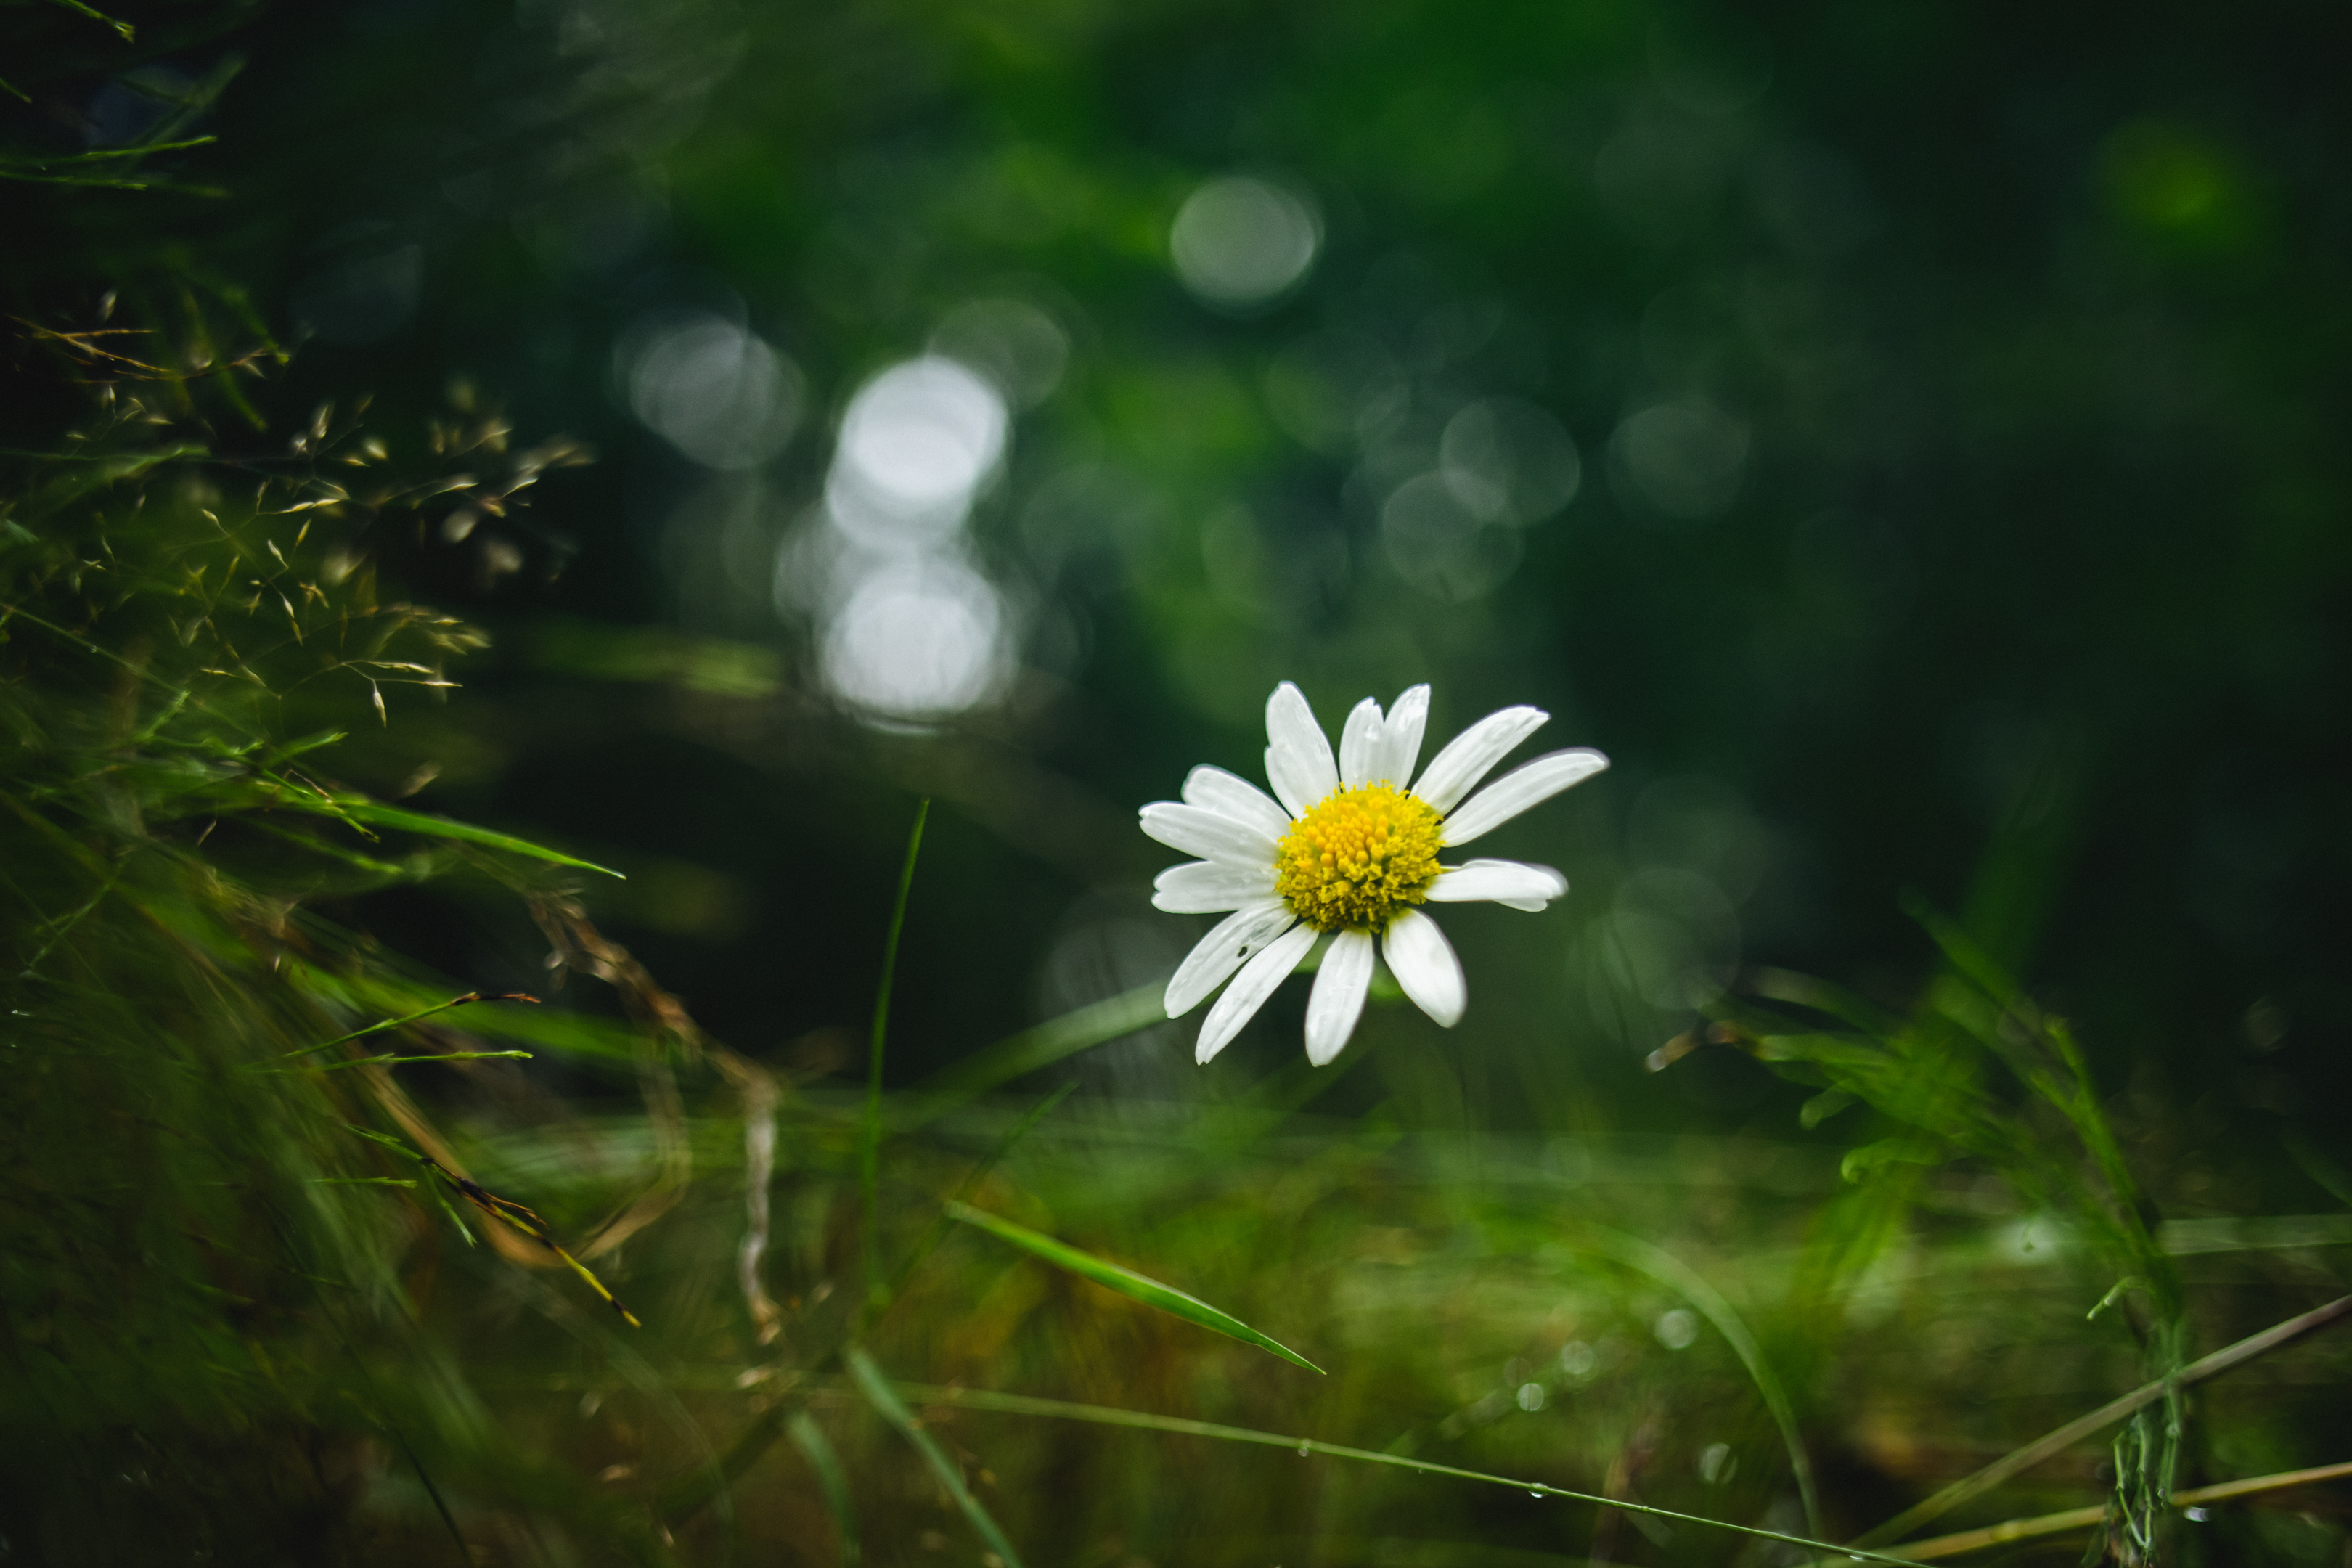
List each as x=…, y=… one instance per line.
x=916, y=642
x=922, y=435
x=1239, y=241
x=712, y=390
x=1684, y=458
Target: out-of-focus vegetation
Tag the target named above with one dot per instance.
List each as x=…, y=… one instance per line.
x=1908, y=441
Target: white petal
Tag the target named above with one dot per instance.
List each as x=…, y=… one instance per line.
x=1521, y=788
x=1522, y=886
x=1298, y=758
x=1338, y=997
x=1251, y=987
x=1468, y=755
x=1213, y=789
x=1210, y=834
x=1210, y=887
x=1360, y=745
x=1400, y=736
x=1423, y=961
x=1217, y=955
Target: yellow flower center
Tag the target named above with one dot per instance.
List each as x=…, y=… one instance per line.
x=1353, y=861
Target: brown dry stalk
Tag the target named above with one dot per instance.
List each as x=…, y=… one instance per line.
x=2075, y=1519
x=578, y=944
x=2106, y=1414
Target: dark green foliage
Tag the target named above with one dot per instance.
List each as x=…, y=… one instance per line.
x=2029, y=329
x=196, y=1246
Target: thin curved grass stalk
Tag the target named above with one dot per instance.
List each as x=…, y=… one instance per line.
x=665, y=1028
x=522, y=1219
x=817, y=1449
x=758, y=1088
x=424, y=1476
x=2074, y=1519
x=964, y=1192
x=2053, y=1443
x=1126, y=1281
x=1017, y=1056
x=1679, y=1277
x=869, y=1142
x=363, y=813
x=439, y=1056
x=666, y=1114
x=508, y=1212
x=439, y=1008
x=879, y=1392
x=631, y=1525
x=681, y=1499
x=1061, y=1409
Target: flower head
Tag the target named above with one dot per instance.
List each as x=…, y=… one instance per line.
x=1352, y=848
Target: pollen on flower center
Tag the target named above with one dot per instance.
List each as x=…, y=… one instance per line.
x=1352, y=862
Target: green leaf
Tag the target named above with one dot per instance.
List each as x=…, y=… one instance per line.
x=1144, y=1421
x=1033, y=1049
x=1680, y=1278
x=869, y=1138
x=1126, y=1281
x=887, y=1405
x=831, y=1479
x=358, y=808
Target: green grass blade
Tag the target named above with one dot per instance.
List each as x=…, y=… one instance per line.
x=469, y=997
x=1139, y=1420
x=831, y=1479
x=1680, y=1278
x=2052, y=1443
x=578, y=1034
x=887, y=1405
x=1126, y=1281
x=121, y=29
x=104, y=154
x=1050, y=1042
x=969, y=1186
x=869, y=1143
x=443, y=1056
x=354, y=808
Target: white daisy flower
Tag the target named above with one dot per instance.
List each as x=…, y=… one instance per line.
x=1352, y=849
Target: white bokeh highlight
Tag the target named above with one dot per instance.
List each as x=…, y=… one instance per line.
x=1238, y=242
x=916, y=641
x=919, y=438
x=909, y=631
x=711, y=388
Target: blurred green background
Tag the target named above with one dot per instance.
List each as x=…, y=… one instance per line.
x=1910, y=440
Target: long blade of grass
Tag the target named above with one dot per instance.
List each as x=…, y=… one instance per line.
x=2074, y=1519
x=1681, y=1277
x=123, y=28
x=1108, y=1416
x=887, y=1405
x=1015, y=1056
x=59, y=928
x=579, y=1033
x=817, y=1449
x=386, y=1061
x=2107, y=1415
x=969, y=1186
x=103, y=154
x=510, y=1214
x=468, y=998
x=869, y=1140
x=1126, y=1281
x=355, y=809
